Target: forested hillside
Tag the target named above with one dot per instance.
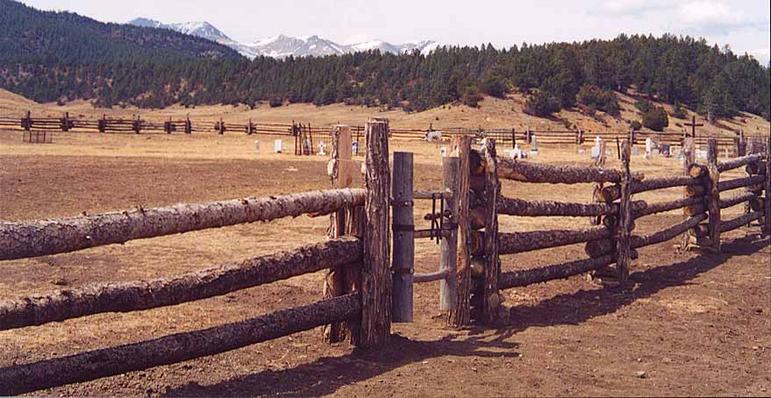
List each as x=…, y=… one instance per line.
x=61, y=56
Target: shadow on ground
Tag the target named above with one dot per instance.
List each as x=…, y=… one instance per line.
x=326, y=375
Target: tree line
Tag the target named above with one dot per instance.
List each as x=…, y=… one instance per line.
x=163, y=69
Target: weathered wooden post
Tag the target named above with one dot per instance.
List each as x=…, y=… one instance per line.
x=689, y=158
x=340, y=171
x=102, y=124
x=404, y=239
x=460, y=314
x=713, y=194
x=448, y=287
x=188, y=126
x=167, y=126
x=513, y=138
x=65, y=122
x=221, y=127
x=136, y=125
x=491, y=298
x=767, y=197
x=375, y=327
x=26, y=121
x=250, y=127
x=624, y=228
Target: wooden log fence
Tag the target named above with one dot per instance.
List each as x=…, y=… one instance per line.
x=44, y=237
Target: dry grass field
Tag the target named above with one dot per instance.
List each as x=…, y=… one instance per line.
x=695, y=323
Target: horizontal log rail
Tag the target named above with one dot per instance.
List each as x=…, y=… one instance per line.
x=431, y=194
x=141, y=295
x=91, y=365
x=728, y=185
x=519, y=242
x=44, y=237
x=520, y=207
x=639, y=241
x=544, y=173
x=737, y=199
x=740, y=221
x=526, y=277
x=431, y=276
x=738, y=162
x=660, y=207
x=663, y=182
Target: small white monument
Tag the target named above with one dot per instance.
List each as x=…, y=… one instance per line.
x=650, y=147
x=443, y=151
x=278, y=146
x=533, y=146
x=355, y=147
x=322, y=147
x=597, y=148
x=257, y=146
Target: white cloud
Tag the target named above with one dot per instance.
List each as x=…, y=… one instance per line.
x=633, y=7
x=705, y=13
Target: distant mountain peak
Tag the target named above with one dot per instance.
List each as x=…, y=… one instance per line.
x=283, y=46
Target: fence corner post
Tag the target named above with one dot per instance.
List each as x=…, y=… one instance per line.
x=623, y=245
x=713, y=194
x=491, y=298
x=689, y=158
x=448, y=287
x=340, y=173
x=404, y=236
x=375, y=326
x=460, y=314
x=767, y=197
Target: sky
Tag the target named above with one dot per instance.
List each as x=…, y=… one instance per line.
x=743, y=25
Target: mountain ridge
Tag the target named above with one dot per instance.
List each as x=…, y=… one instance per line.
x=282, y=46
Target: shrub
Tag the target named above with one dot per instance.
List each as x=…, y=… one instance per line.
x=635, y=125
x=678, y=111
x=494, y=86
x=542, y=103
x=276, y=102
x=596, y=98
x=471, y=96
x=643, y=105
x=655, y=119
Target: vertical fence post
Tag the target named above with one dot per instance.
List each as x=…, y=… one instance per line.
x=623, y=248
x=375, y=274
x=713, y=194
x=767, y=195
x=689, y=158
x=460, y=314
x=404, y=237
x=491, y=298
x=341, y=173
x=448, y=287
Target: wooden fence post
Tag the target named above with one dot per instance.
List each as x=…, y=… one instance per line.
x=689, y=158
x=713, y=194
x=404, y=240
x=460, y=314
x=623, y=247
x=341, y=173
x=26, y=121
x=767, y=197
x=448, y=287
x=375, y=327
x=188, y=126
x=491, y=298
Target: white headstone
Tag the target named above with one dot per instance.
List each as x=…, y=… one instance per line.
x=278, y=146
x=443, y=151
x=257, y=146
x=595, y=152
x=533, y=143
x=355, y=147
x=322, y=147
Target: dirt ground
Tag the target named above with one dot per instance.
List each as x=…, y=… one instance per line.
x=693, y=324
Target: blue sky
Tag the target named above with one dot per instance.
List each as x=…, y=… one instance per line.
x=741, y=24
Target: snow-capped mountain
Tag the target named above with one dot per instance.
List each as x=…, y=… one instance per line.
x=283, y=46
x=201, y=29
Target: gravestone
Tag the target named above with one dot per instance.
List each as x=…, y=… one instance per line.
x=597, y=148
x=443, y=151
x=322, y=147
x=257, y=146
x=278, y=146
x=533, y=145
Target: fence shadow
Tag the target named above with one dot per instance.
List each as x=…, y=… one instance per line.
x=327, y=374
